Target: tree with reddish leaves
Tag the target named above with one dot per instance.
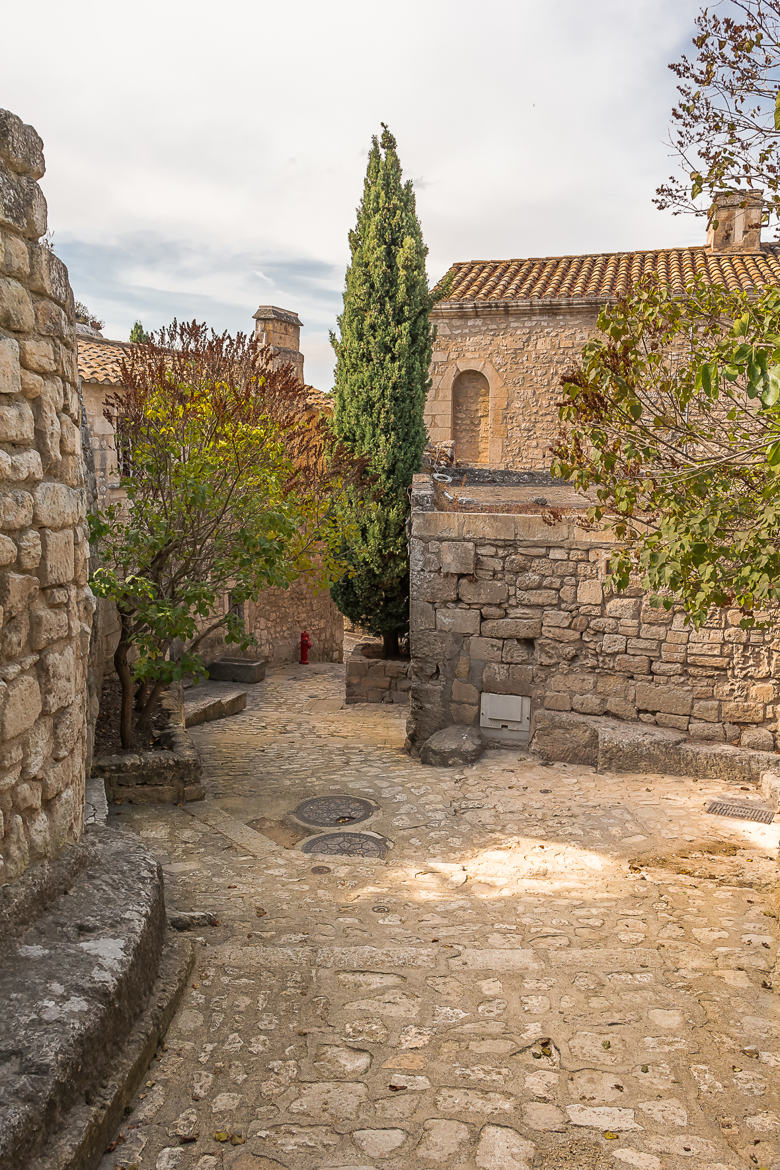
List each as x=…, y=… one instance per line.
x=232, y=484
x=725, y=130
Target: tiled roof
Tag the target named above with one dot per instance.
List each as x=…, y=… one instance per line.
x=99, y=360
x=607, y=275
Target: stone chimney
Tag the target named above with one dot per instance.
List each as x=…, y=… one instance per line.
x=281, y=330
x=734, y=223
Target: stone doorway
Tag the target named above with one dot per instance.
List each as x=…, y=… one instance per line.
x=471, y=418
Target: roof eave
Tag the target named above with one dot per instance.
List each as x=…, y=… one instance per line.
x=521, y=304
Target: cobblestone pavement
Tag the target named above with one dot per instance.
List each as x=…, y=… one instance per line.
x=550, y=969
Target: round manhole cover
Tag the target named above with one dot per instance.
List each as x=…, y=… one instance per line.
x=328, y=811
x=346, y=845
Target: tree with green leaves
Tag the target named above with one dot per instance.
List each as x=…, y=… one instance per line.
x=383, y=355
x=233, y=485
x=672, y=425
x=138, y=334
x=671, y=421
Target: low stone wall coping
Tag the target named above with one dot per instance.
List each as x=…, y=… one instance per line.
x=530, y=528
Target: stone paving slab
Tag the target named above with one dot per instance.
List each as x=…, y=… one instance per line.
x=550, y=970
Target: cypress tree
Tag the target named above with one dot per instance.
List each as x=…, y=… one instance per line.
x=383, y=356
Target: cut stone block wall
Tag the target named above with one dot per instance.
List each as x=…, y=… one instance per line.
x=510, y=604
x=46, y=603
x=373, y=679
x=522, y=351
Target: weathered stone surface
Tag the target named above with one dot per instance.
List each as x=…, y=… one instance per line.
x=482, y=592
x=458, y=621
x=452, y=745
x=73, y=992
x=211, y=701
x=442, y=1140
x=502, y=1148
x=602, y=1117
x=457, y=556
x=512, y=628
x=43, y=539
x=633, y=748
x=338, y=1101
x=564, y=737
x=335, y=1060
x=378, y=1143
x=58, y=556
x=21, y=706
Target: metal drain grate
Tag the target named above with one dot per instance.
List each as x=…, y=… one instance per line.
x=347, y=845
x=324, y=811
x=742, y=812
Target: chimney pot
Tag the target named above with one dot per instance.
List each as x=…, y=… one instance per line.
x=280, y=330
x=734, y=223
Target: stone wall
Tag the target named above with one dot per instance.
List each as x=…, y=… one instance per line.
x=522, y=351
x=512, y=604
x=371, y=678
x=46, y=602
x=277, y=619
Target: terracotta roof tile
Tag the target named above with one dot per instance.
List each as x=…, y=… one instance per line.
x=99, y=360
x=605, y=276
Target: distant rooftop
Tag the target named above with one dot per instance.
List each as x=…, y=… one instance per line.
x=99, y=361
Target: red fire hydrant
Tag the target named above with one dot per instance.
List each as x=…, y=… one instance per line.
x=305, y=648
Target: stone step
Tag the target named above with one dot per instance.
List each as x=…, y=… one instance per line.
x=206, y=703
x=75, y=985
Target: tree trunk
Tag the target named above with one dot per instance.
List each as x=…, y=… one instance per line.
x=390, y=647
x=126, y=682
x=147, y=709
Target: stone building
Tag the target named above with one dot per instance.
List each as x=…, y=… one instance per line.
x=46, y=603
x=509, y=329
x=277, y=616
x=512, y=630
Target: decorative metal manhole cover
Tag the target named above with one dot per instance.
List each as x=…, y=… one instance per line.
x=742, y=812
x=327, y=811
x=346, y=845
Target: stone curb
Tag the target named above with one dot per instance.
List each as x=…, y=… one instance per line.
x=206, y=708
x=73, y=984
x=88, y=1128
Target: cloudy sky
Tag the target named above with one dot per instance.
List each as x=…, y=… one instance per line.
x=206, y=158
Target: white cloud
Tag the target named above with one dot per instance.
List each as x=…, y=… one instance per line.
x=207, y=158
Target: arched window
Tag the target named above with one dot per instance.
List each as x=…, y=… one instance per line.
x=471, y=417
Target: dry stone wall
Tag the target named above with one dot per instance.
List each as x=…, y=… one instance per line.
x=510, y=604
x=522, y=351
x=46, y=603
x=370, y=678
